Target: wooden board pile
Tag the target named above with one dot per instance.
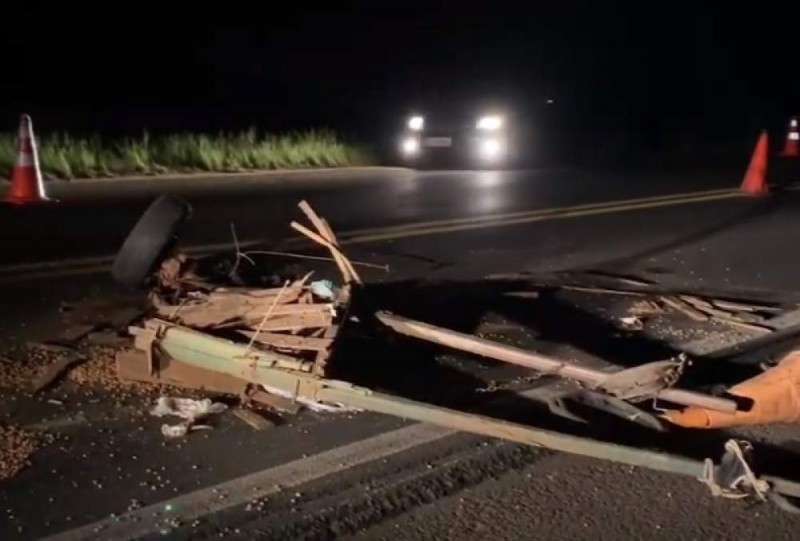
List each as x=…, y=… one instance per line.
x=744, y=314
x=296, y=323
x=290, y=320
x=756, y=318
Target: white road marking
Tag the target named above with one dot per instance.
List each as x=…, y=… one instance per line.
x=158, y=517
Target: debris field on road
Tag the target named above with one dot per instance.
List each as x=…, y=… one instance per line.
x=276, y=344
x=278, y=341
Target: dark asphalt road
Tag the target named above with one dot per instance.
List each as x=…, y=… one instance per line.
x=436, y=491
x=93, y=220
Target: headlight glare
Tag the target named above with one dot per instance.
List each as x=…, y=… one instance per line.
x=489, y=123
x=490, y=149
x=416, y=123
x=410, y=146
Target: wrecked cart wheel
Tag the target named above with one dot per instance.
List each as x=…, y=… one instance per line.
x=148, y=240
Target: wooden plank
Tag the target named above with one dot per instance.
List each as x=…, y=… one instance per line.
x=679, y=305
x=296, y=322
x=747, y=320
x=132, y=366
x=331, y=236
x=590, y=289
x=290, y=310
x=288, y=341
x=327, y=235
x=535, y=361
x=201, y=315
x=324, y=242
x=741, y=307
x=290, y=295
x=698, y=303
x=314, y=219
x=321, y=360
x=227, y=309
x=259, y=295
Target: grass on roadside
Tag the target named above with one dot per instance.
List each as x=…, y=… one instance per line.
x=65, y=157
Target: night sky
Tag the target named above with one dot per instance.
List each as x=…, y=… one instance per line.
x=359, y=66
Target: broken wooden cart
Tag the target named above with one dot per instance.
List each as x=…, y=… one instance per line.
x=274, y=344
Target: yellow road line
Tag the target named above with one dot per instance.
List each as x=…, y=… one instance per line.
x=530, y=213
x=567, y=212
x=362, y=236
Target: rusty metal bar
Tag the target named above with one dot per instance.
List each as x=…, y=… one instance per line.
x=535, y=361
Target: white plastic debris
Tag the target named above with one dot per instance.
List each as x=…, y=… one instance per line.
x=323, y=289
x=632, y=323
x=186, y=408
x=189, y=409
x=175, y=431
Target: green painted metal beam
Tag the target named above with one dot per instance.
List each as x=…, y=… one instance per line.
x=228, y=357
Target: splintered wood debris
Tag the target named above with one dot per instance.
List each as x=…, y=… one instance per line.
x=645, y=308
x=294, y=326
x=278, y=340
x=699, y=309
x=291, y=320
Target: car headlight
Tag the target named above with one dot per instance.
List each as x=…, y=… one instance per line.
x=489, y=123
x=416, y=123
x=410, y=146
x=490, y=149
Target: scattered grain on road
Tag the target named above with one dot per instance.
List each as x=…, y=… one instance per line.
x=16, y=447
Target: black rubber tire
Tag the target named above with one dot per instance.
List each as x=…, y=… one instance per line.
x=146, y=242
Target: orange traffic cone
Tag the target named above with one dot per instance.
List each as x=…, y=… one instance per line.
x=791, y=148
x=26, y=177
x=755, y=180
x=775, y=396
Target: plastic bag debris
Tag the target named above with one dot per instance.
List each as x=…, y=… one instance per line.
x=174, y=431
x=189, y=409
x=323, y=289
x=734, y=477
x=632, y=323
